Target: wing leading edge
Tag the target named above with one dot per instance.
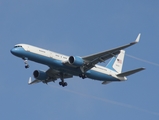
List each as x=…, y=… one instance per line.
x=93, y=59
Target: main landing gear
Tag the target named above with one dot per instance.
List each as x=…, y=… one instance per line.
x=62, y=83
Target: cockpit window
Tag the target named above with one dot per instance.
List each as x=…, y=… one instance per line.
x=17, y=46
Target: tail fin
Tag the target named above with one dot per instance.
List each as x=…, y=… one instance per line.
x=116, y=63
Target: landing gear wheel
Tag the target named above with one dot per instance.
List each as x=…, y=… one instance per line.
x=63, y=84
x=26, y=62
x=60, y=83
x=26, y=66
x=83, y=76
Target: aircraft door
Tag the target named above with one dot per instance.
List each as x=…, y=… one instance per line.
x=51, y=55
x=27, y=48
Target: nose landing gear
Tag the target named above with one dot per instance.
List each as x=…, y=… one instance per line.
x=26, y=63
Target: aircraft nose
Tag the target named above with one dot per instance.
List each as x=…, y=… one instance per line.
x=17, y=51
x=13, y=51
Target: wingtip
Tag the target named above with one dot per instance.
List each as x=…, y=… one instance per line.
x=138, y=38
x=142, y=68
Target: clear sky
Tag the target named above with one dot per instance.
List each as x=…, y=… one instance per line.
x=79, y=27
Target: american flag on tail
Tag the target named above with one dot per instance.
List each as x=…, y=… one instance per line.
x=119, y=61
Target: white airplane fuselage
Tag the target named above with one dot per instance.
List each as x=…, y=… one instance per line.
x=57, y=61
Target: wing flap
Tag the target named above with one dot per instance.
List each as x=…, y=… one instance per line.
x=130, y=72
x=105, y=82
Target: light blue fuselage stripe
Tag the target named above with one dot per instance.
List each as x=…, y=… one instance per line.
x=110, y=64
x=57, y=64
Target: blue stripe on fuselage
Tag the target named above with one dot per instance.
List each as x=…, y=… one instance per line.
x=57, y=64
x=100, y=76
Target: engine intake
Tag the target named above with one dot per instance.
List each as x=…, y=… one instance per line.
x=76, y=61
x=40, y=75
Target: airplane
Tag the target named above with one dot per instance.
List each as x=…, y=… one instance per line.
x=63, y=67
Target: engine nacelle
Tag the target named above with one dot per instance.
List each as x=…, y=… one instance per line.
x=76, y=61
x=40, y=75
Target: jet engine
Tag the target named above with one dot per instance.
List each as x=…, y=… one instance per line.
x=40, y=75
x=76, y=61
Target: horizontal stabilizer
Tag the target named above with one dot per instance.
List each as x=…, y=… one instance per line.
x=130, y=72
x=34, y=81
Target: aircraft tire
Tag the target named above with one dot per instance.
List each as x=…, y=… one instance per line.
x=27, y=66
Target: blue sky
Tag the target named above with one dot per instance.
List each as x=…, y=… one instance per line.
x=79, y=27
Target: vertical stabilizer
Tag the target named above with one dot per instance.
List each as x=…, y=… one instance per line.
x=116, y=63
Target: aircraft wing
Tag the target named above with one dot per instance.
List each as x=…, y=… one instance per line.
x=53, y=76
x=93, y=59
